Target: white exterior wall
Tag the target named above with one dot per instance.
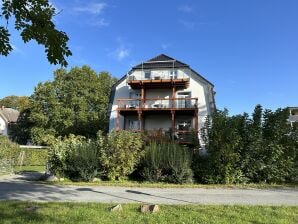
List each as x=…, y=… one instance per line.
x=3, y=127
x=158, y=93
x=201, y=90
x=198, y=87
x=122, y=91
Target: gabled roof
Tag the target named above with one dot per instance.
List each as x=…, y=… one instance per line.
x=161, y=61
x=155, y=63
x=9, y=114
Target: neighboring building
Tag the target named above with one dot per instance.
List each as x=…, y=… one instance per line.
x=8, y=116
x=162, y=94
x=293, y=118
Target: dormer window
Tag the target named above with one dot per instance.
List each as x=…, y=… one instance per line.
x=147, y=74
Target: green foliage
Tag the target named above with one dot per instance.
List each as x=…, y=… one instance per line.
x=120, y=152
x=82, y=162
x=9, y=153
x=114, y=156
x=224, y=143
x=167, y=162
x=20, y=131
x=240, y=149
x=74, y=103
x=74, y=157
x=16, y=102
x=34, y=21
x=33, y=157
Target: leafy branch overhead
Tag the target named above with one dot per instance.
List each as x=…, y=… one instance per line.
x=33, y=18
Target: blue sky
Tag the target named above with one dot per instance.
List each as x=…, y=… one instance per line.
x=247, y=48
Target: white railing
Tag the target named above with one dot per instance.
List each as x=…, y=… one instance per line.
x=157, y=76
x=157, y=103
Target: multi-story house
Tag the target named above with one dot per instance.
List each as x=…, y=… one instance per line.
x=162, y=94
x=293, y=118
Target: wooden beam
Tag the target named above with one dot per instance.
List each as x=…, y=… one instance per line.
x=196, y=120
x=118, y=120
x=139, y=120
x=173, y=120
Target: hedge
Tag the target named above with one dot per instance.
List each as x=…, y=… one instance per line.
x=33, y=157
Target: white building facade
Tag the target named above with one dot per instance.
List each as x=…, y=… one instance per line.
x=162, y=94
x=293, y=118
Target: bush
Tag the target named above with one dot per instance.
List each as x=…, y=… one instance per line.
x=9, y=153
x=167, y=162
x=120, y=152
x=82, y=162
x=75, y=158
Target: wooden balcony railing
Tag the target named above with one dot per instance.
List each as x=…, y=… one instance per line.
x=158, y=103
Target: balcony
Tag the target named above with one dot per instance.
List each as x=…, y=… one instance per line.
x=158, y=104
x=164, y=80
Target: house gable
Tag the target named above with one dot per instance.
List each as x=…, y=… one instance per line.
x=150, y=94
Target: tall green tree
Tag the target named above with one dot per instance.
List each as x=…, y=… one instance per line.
x=75, y=102
x=263, y=148
x=20, y=131
x=34, y=20
x=17, y=102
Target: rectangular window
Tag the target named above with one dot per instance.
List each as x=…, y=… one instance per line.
x=147, y=74
x=132, y=124
x=173, y=74
x=134, y=95
x=184, y=100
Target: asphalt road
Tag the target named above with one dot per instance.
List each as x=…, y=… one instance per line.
x=19, y=188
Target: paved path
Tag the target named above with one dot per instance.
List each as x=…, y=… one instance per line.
x=18, y=188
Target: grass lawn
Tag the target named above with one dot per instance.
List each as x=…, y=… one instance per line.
x=15, y=212
x=18, y=169
x=129, y=183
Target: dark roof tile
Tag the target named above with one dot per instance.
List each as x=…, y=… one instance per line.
x=161, y=61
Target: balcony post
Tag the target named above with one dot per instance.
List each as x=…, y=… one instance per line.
x=118, y=120
x=173, y=120
x=196, y=120
x=173, y=95
x=139, y=120
x=142, y=97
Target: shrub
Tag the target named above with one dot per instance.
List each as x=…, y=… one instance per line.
x=75, y=158
x=9, y=153
x=223, y=141
x=241, y=149
x=120, y=152
x=82, y=162
x=167, y=162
